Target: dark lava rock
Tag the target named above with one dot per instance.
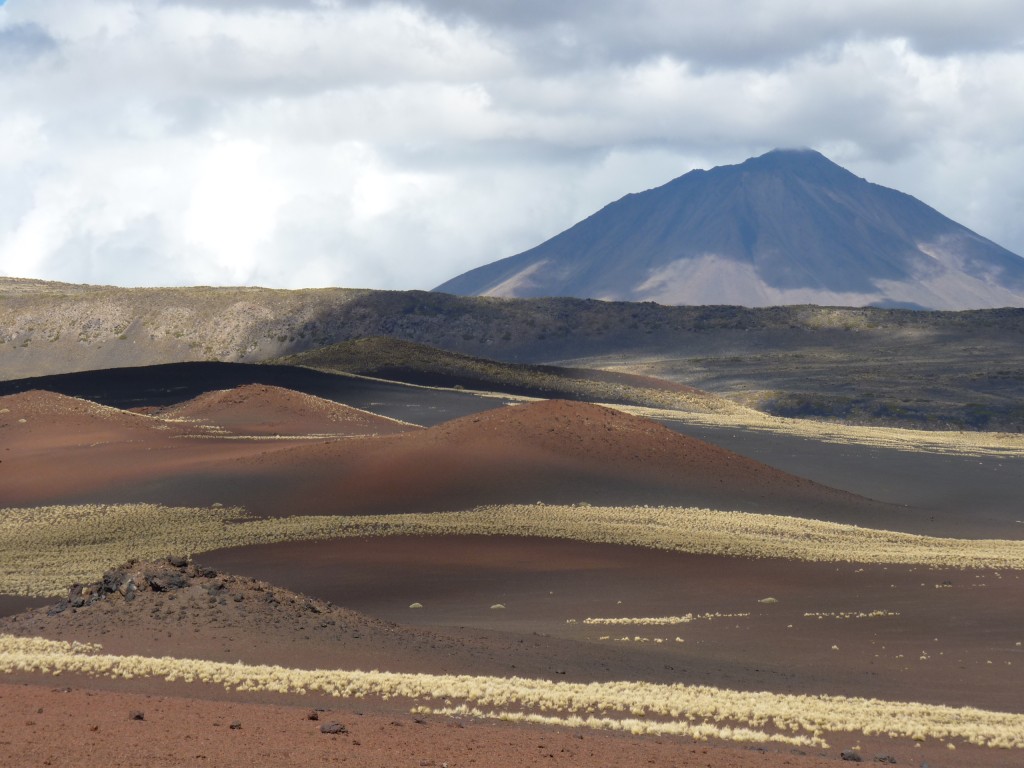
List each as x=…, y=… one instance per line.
x=236, y=725
x=165, y=582
x=178, y=562
x=111, y=582
x=136, y=714
x=333, y=728
x=851, y=756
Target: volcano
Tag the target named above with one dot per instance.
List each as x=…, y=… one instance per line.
x=788, y=227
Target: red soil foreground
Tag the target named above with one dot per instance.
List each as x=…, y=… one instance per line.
x=80, y=728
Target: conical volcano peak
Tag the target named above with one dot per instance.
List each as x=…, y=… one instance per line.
x=787, y=227
x=801, y=161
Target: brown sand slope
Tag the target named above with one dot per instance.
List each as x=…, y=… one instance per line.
x=260, y=409
x=186, y=610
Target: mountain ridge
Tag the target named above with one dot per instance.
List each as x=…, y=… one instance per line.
x=787, y=227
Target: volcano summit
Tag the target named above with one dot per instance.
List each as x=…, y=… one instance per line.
x=788, y=227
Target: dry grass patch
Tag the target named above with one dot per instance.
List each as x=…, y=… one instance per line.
x=697, y=711
x=850, y=614
x=980, y=444
x=44, y=549
x=665, y=620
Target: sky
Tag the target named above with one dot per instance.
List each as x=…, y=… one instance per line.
x=309, y=143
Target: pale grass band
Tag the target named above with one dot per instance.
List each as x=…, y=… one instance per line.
x=44, y=549
x=690, y=710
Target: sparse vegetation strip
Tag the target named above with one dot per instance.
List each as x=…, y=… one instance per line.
x=387, y=357
x=43, y=549
x=656, y=708
x=982, y=444
x=850, y=614
x=666, y=620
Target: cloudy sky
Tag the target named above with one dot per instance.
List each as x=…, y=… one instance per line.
x=297, y=143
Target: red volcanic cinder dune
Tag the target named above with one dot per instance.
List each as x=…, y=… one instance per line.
x=552, y=451
x=261, y=409
x=50, y=420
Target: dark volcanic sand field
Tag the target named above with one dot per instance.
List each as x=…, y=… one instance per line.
x=947, y=636
x=543, y=583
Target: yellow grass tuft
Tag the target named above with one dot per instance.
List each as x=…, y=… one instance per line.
x=664, y=620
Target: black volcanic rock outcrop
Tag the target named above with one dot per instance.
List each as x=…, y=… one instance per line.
x=788, y=227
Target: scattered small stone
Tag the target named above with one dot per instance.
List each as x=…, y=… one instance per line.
x=333, y=728
x=235, y=725
x=355, y=742
x=136, y=714
x=851, y=756
x=312, y=715
x=885, y=759
x=178, y=562
x=419, y=720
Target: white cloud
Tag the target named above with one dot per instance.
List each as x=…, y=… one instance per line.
x=394, y=145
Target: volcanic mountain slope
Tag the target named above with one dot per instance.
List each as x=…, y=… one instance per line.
x=406, y=361
x=788, y=227
x=259, y=409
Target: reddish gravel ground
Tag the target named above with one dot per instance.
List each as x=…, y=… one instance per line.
x=82, y=728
